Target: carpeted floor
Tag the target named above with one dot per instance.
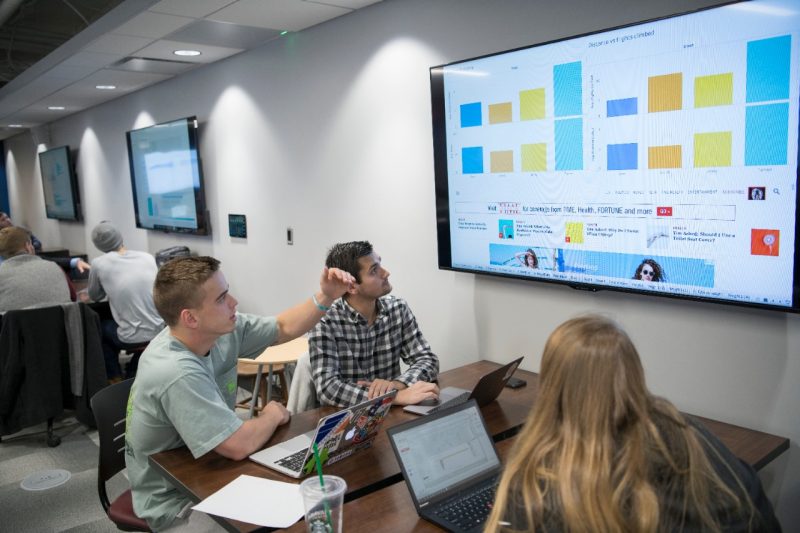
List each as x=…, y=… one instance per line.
x=73, y=506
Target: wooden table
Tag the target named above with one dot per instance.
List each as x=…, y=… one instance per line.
x=367, y=471
x=375, y=469
x=288, y=352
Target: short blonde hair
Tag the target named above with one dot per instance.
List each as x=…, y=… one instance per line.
x=13, y=240
x=178, y=285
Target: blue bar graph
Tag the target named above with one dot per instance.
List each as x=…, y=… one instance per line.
x=569, y=144
x=766, y=134
x=768, y=69
x=568, y=89
x=622, y=156
x=472, y=160
x=622, y=107
x=471, y=115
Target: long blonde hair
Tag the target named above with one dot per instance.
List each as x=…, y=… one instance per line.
x=598, y=451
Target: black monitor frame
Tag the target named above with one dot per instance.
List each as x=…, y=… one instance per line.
x=442, y=190
x=203, y=226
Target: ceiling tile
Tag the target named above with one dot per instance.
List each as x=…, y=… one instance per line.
x=34, y=115
x=292, y=15
x=190, y=8
x=91, y=59
x=71, y=72
x=223, y=34
x=152, y=25
x=26, y=96
x=112, y=43
x=83, y=94
x=123, y=79
x=163, y=50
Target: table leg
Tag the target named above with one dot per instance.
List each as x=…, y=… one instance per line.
x=254, y=399
x=269, y=385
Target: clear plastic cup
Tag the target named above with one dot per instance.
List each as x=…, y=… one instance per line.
x=323, y=504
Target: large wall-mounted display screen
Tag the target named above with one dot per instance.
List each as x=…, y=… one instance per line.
x=59, y=184
x=167, y=179
x=660, y=158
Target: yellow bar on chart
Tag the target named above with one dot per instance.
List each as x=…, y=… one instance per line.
x=713, y=90
x=712, y=149
x=534, y=157
x=531, y=104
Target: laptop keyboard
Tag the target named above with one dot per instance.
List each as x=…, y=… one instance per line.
x=293, y=462
x=469, y=511
x=456, y=400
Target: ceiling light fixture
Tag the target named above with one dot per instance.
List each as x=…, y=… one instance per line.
x=56, y=107
x=284, y=32
x=105, y=87
x=187, y=53
x=15, y=126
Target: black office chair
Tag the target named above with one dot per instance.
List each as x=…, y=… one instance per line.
x=109, y=406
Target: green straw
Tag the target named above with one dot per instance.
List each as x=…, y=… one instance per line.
x=322, y=486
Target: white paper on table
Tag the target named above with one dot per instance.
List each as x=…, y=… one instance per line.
x=257, y=501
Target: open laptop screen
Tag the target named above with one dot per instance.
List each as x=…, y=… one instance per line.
x=441, y=451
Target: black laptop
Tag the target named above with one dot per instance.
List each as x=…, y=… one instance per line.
x=450, y=466
x=485, y=391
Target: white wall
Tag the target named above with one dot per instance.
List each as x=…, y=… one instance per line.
x=328, y=131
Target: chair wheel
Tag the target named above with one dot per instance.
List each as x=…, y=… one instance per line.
x=53, y=440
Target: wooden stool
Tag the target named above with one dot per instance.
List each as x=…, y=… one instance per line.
x=274, y=357
x=248, y=372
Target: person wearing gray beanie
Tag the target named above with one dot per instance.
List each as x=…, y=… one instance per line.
x=106, y=237
x=126, y=277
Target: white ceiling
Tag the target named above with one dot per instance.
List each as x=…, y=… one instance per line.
x=132, y=47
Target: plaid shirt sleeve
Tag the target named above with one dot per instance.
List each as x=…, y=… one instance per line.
x=416, y=352
x=333, y=388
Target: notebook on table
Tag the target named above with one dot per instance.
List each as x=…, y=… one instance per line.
x=337, y=436
x=485, y=391
x=450, y=466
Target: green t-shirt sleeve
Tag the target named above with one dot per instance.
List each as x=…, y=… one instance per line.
x=198, y=413
x=256, y=333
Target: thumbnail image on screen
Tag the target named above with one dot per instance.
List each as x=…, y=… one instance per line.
x=660, y=157
x=166, y=177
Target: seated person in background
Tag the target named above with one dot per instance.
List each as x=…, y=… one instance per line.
x=184, y=392
x=649, y=270
x=64, y=262
x=356, y=349
x=126, y=277
x=25, y=279
x=599, y=452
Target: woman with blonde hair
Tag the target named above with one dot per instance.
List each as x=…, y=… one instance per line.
x=599, y=452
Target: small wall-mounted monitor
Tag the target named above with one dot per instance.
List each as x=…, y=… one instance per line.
x=60, y=185
x=167, y=177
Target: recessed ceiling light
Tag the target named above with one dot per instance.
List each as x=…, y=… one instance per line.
x=56, y=107
x=186, y=52
x=284, y=32
x=15, y=126
x=105, y=87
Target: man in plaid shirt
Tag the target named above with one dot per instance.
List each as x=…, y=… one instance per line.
x=357, y=346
